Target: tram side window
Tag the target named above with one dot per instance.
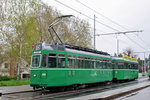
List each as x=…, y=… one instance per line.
x=129, y=66
x=87, y=62
x=52, y=60
x=44, y=60
x=120, y=65
x=71, y=61
x=133, y=66
x=93, y=63
x=136, y=66
x=109, y=65
x=126, y=65
x=113, y=65
x=80, y=61
x=61, y=61
x=104, y=64
x=98, y=64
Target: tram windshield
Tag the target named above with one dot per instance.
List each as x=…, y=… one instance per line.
x=35, y=60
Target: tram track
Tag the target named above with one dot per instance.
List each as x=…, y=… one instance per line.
x=42, y=94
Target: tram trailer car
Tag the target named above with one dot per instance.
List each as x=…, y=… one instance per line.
x=66, y=65
x=125, y=69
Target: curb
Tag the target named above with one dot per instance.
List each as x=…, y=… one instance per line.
x=114, y=93
x=120, y=94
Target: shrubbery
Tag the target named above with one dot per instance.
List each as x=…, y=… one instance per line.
x=7, y=78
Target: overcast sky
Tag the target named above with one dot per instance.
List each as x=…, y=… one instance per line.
x=131, y=14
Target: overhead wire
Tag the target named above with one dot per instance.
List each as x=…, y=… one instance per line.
x=134, y=42
x=106, y=18
x=99, y=21
x=143, y=41
x=101, y=14
x=86, y=15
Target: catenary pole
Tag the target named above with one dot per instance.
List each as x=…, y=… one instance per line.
x=94, y=34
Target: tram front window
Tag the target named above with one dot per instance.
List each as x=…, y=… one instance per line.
x=35, y=60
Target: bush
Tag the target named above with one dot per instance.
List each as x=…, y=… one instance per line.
x=7, y=78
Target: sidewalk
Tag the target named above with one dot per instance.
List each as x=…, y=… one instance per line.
x=14, y=89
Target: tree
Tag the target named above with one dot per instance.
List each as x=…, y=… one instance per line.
x=129, y=52
x=26, y=21
x=16, y=14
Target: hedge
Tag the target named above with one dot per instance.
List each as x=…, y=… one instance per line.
x=7, y=78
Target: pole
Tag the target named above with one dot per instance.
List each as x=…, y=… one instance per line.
x=117, y=46
x=144, y=69
x=18, y=67
x=94, y=33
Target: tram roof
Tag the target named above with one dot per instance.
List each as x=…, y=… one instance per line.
x=120, y=58
x=70, y=48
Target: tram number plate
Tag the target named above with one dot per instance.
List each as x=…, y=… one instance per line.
x=43, y=74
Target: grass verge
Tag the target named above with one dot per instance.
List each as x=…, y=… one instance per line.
x=14, y=83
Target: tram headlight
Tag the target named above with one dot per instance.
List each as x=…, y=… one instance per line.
x=34, y=75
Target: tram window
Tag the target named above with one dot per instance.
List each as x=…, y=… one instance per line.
x=80, y=62
x=102, y=64
x=71, y=61
x=106, y=64
x=52, y=60
x=61, y=61
x=92, y=63
x=136, y=66
x=126, y=65
x=113, y=65
x=129, y=66
x=87, y=62
x=132, y=66
x=44, y=60
x=35, y=60
x=109, y=65
x=97, y=64
x=120, y=65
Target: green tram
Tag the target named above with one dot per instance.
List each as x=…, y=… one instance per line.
x=125, y=69
x=66, y=65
